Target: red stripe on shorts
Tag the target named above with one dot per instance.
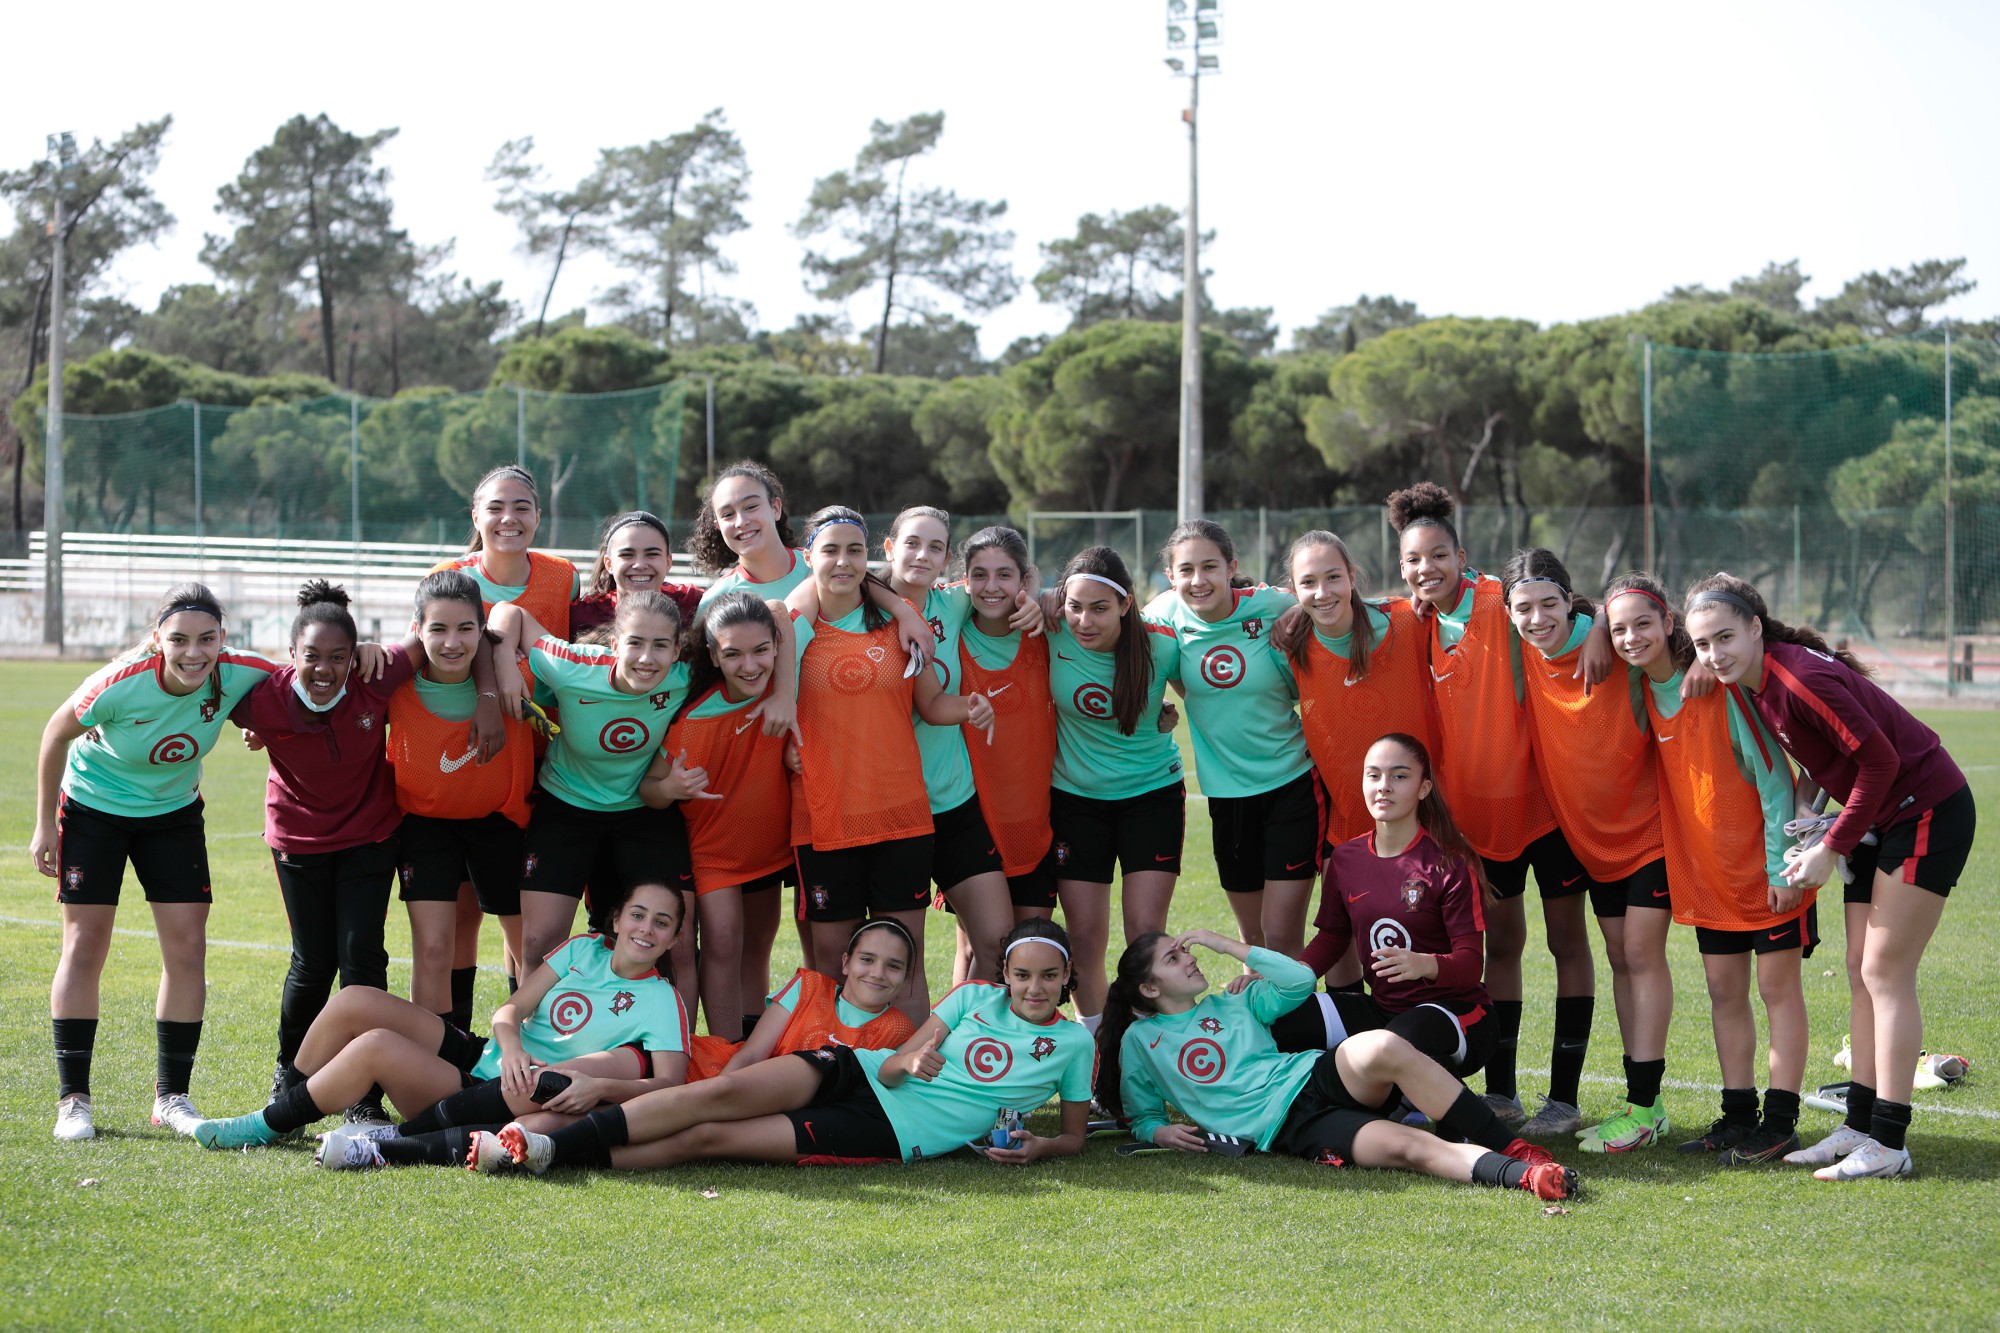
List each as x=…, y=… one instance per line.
x=1922, y=849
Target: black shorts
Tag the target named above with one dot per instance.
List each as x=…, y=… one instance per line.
x=169, y=853
x=1462, y=1043
x=962, y=846
x=1801, y=932
x=848, y=883
x=776, y=879
x=844, y=1123
x=1644, y=887
x=1325, y=1116
x=1092, y=837
x=1276, y=835
x=567, y=846
x=435, y=856
x=1035, y=890
x=1558, y=874
x=1928, y=851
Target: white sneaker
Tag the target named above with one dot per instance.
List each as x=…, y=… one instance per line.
x=174, y=1111
x=1867, y=1162
x=347, y=1152
x=1830, y=1149
x=73, y=1122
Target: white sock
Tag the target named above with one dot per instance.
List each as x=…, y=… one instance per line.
x=1090, y=1022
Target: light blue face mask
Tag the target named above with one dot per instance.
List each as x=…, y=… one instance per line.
x=299, y=688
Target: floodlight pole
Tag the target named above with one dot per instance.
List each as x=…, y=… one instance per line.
x=61, y=148
x=1189, y=502
x=1950, y=545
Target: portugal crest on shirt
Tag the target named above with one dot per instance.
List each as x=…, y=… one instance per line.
x=1210, y=1025
x=1413, y=893
x=366, y=722
x=1043, y=1048
x=659, y=700
x=622, y=1001
x=208, y=707
x=1252, y=628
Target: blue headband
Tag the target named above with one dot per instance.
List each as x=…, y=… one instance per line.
x=835, y=522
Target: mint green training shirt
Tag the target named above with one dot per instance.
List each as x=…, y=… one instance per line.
x=1093, y=757
x=1241, y=697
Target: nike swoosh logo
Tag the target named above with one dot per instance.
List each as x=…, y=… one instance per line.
x=1346, y=681
x=1571, y=880
x=1066, y=657
x=1300, y=866
x=1666, y=738
x=1572, y=1045
x=1155, y=1045
x=1661, y=893
x=145, y=721
x=453, y=765
x=587, y=702
x=746, y=726
x=1356, y=897
x=1436, y=677
x=1002, y=689
x=1158, y=857
x=1778, y=934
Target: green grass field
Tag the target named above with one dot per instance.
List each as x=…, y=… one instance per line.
x=143, y=1229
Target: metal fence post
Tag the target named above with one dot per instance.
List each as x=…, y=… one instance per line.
x=354, y=476
x=1798, y=595
x=521, y=427
x=1950, y=547
x=200, y=548
x=1648, y=420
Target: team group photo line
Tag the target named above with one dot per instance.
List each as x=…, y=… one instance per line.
x=963, y=742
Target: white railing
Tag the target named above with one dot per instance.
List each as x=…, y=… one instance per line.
x=111, y=582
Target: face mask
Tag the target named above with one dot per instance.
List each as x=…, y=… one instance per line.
x=299, y=688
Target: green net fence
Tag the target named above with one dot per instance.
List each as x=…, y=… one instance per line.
x=358, y=469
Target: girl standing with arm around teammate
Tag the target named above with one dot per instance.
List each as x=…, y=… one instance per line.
x=1117, y=800
x=119, y=779
x=865, y=843
x=1249, y=751
x=330, y=813
x=1598, y=769
x=988, y=1049
x=1892, y=778
x=1490, y=775
x=634, y=555
x=1726, y=794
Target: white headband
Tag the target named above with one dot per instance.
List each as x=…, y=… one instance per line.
x=1539, y=579
x=1099, y=578
x=1035, y=939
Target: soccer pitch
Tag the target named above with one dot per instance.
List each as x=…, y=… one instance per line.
x=143, y=1229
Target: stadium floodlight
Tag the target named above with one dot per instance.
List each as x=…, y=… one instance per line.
x=1210, y=63
x=62, y=158
x=1177, y=66
x=1206, y=31
x=1176, y=36
x=1177, y=9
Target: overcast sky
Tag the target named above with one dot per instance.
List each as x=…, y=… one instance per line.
x=1548, y=161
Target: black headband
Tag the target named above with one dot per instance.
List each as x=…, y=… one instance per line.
x=179, y=607
x=1725, y=596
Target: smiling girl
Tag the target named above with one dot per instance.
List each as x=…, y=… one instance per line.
x=634, y=555
x=741, y=847
x=1491, y=779
x=1598, y=770
x=863, y=829
x=743, y=535
x=1894, y=780
x=118, y=779
x=330, y=812
x=593, y=994
x=1249, y=751
x=988, y=1049
x=1726, y=794
x=1117, y=800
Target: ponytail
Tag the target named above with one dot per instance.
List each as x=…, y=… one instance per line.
x=1434, y=816
x=1123, y=1003
x=1746, y=603
x=1132, y=658
x=323, y=603
x=1361, y=637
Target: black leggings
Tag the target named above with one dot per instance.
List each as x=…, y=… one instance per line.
x=337, y=903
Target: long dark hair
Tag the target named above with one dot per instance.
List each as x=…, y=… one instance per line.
x=600, y=579
x=181, y=597
x=1539, y=562
x=323, y=603
x=873, y=617
x=1361, y=639
x=505, y=472
x=1123, y=1003
x=732, y=608
x=1132, y=659
x=1745, y=602
x=711, y=553
x=1434, y=816
x=1679, y=646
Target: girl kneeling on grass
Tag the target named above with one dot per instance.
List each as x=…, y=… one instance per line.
x=591, y=995
x=1215, y=1059
x=1892, y=778
x=985, y=1051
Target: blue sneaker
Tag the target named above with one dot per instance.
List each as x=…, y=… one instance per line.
x=243, y=1131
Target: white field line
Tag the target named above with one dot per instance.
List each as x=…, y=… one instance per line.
x=1681, y=1085
x=213, y=943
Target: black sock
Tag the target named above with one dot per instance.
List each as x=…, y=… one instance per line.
x=1642, y=1080
x=75, y=1039
x=1500, y=1065
x=1739, y=1106
x=174, y=1064
x=513, y=983
x=1891, y=1127
x=588, y=1142
x=750, y=1024
x=289, y=1077
x=294, y=1108
x=480, y=1104
x=462, y=981
x=1473, y=1120
x=1571, y=1044
x=459, y=1048
x=444, y=1147
x=1781, y=1110
x=1860, y=1107
x=1493, y=1169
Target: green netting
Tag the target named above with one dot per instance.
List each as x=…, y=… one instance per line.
x=358, y=469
